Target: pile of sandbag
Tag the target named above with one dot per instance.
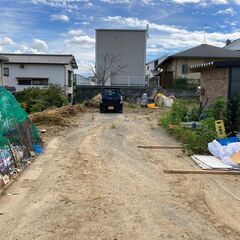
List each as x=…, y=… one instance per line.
x=163, y=101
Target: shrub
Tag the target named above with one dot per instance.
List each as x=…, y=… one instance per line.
x=36, y=99
x=186, y=84
x=195, y=140
x=217, y=109
x=180, y=83
x=232, y=114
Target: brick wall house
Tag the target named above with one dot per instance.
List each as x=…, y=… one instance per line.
x=178, y=64
x=218, y=79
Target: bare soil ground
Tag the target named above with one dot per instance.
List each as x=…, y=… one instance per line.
x=93, y=183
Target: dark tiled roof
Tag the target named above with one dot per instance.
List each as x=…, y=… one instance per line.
x=55, y=59
x=207, y=51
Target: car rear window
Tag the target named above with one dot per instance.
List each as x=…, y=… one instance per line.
x=111, y=92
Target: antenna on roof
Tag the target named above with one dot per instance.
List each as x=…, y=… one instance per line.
x=205, y=34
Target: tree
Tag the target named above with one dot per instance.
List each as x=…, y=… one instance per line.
x=109, y=67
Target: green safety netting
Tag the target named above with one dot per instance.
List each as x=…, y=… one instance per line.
x=17, y=133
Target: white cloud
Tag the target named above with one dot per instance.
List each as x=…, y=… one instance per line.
x=26, y=49
x=171, y=38
x=59, y=17
x=6, y=41
x=203, y=3
x=66, y=4
x=117, y=1
x=39, y=44
x=227, y=11
x=75, y=32
x=82, y=40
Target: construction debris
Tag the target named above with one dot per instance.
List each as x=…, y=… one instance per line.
x=164, y=101
x=210, y=162
x=225, y=153
x=18, y=136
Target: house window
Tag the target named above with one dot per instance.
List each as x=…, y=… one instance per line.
x=24, y=82
x=70, y=78
x=33, y=81
x=6, y=72
x=184, y=68
x=40, y=81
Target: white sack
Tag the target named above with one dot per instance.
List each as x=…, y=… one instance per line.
x=224, y=152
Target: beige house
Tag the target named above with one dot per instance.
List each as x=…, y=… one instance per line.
x=177, y=65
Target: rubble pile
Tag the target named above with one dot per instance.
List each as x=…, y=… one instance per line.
x=19, y=138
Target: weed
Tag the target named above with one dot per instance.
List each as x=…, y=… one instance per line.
x=195, y=140
x=113, y=126
x=132, y=105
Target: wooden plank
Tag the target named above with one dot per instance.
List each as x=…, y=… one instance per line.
x=161, y=147
x=179, y=171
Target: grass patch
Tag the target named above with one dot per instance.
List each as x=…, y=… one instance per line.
x=113, y=126
x=133, y=105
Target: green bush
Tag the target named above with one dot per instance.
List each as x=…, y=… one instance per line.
x=232, y=114
x=36, y=99
x=195, y=140
x=185, y=84
x=217, y=109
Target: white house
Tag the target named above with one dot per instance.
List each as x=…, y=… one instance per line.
x=233, y=45
x=39, y=70
x=151, y=67
x=128, y=49
x=2, y=61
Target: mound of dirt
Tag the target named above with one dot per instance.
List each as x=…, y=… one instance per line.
x=57, y=116
x=94, y=102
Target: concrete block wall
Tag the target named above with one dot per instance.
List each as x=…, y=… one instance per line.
x=130, y=93
x=214, y=83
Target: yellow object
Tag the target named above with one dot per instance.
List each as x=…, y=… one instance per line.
x=151, y=105
x=220, y=129
x=236, y=157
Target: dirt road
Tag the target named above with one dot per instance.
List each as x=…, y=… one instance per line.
x=93, y=183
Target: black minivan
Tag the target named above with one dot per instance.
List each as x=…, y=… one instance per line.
x=111, y=100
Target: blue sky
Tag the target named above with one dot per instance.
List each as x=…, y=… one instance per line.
x=68, y=26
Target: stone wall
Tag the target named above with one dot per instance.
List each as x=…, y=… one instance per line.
x=130, y=94
x=214, y=83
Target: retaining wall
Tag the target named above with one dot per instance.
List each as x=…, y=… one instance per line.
x=130, y=93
